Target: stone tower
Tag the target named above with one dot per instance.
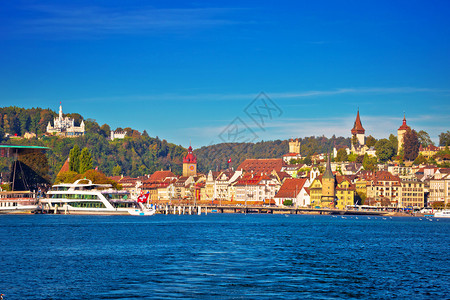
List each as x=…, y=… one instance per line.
x=328, y=186
x=400, y=134
x=294, y=146
x=359, y=131
x=190, y=164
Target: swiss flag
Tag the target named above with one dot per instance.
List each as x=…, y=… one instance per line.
x=143, y=198
x=229, y=160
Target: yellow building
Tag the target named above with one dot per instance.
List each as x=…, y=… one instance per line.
x=315, y=192
x=345, y=192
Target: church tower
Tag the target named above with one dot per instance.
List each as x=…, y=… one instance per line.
x=294, y=146
x=328, y=186
x=190, y=164
x=400, y=134
x=359, y=131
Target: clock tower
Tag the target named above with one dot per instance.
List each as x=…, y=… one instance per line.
x=189, y=164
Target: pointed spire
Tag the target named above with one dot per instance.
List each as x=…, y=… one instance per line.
x=404, y=126
x=60, y=111
x=357, y=127
x=328, y=173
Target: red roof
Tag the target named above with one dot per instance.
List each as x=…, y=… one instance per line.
x=291, y=188
x=65, y=167
x=404, y=126
x=291, y=154
x=262, y=165
x=190, y=157
x=384, y=176
x=429, y=148
x=159, y=176
x=357, y=127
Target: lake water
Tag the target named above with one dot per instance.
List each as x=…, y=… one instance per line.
x=223, y=256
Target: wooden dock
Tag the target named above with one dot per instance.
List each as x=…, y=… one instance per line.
x=205, y=209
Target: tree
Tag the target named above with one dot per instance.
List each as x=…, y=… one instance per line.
x=341, y=155
x=411, y=145
x=359, y=159
x=85, y=160
x=444, y=138
x=384, y=150
x=370, y=141
x=307, y=161
x=354, y=140
x=117, y=170
x=420, y=160
x=394, y=142
x=424, y=138
x=369, y=163
x=105, y=130
x=74, y=159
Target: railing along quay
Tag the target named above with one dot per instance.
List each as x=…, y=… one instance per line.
x=199, y=209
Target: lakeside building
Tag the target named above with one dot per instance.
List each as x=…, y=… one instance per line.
x=65, y=126
x=383, y=190
x=253, y=187
x=190, y=163
x=412, y=194
x=295, y=190
x=439, y=189
x=266, y=165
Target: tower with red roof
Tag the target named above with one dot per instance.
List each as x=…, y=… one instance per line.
x=401, y=133
x=190, y=164
x=359, y=131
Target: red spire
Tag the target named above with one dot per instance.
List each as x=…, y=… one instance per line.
x=190, y=157
x=404, y=126
x=357, y=127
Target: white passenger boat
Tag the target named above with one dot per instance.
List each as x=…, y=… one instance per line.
x=442, y=214
x=17, y=202
x=85, y=197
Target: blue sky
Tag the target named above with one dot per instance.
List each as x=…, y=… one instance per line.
x=189, y=71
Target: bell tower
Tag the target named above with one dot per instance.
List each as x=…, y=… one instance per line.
x=328, y=186
x=190, y=164
x=359, y=131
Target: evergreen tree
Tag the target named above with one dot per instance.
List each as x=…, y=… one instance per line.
x=74, y=159
x=85, y=160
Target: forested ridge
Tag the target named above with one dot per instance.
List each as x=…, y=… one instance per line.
x=140, y=154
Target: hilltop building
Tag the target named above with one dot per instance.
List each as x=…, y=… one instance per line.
x=358, y=137
x=117, y=135
x=65, y=126
x=401, y=133
x=294, y=151
x=190, y=164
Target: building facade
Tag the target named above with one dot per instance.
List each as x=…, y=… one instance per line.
x=65, y=126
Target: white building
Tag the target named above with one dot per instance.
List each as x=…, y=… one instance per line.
x=117, y=135
x=65, y=126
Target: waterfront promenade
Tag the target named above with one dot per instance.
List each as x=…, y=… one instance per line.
x=214, y=208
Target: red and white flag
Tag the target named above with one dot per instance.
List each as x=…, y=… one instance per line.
x=143, y=198
x=229, y=160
